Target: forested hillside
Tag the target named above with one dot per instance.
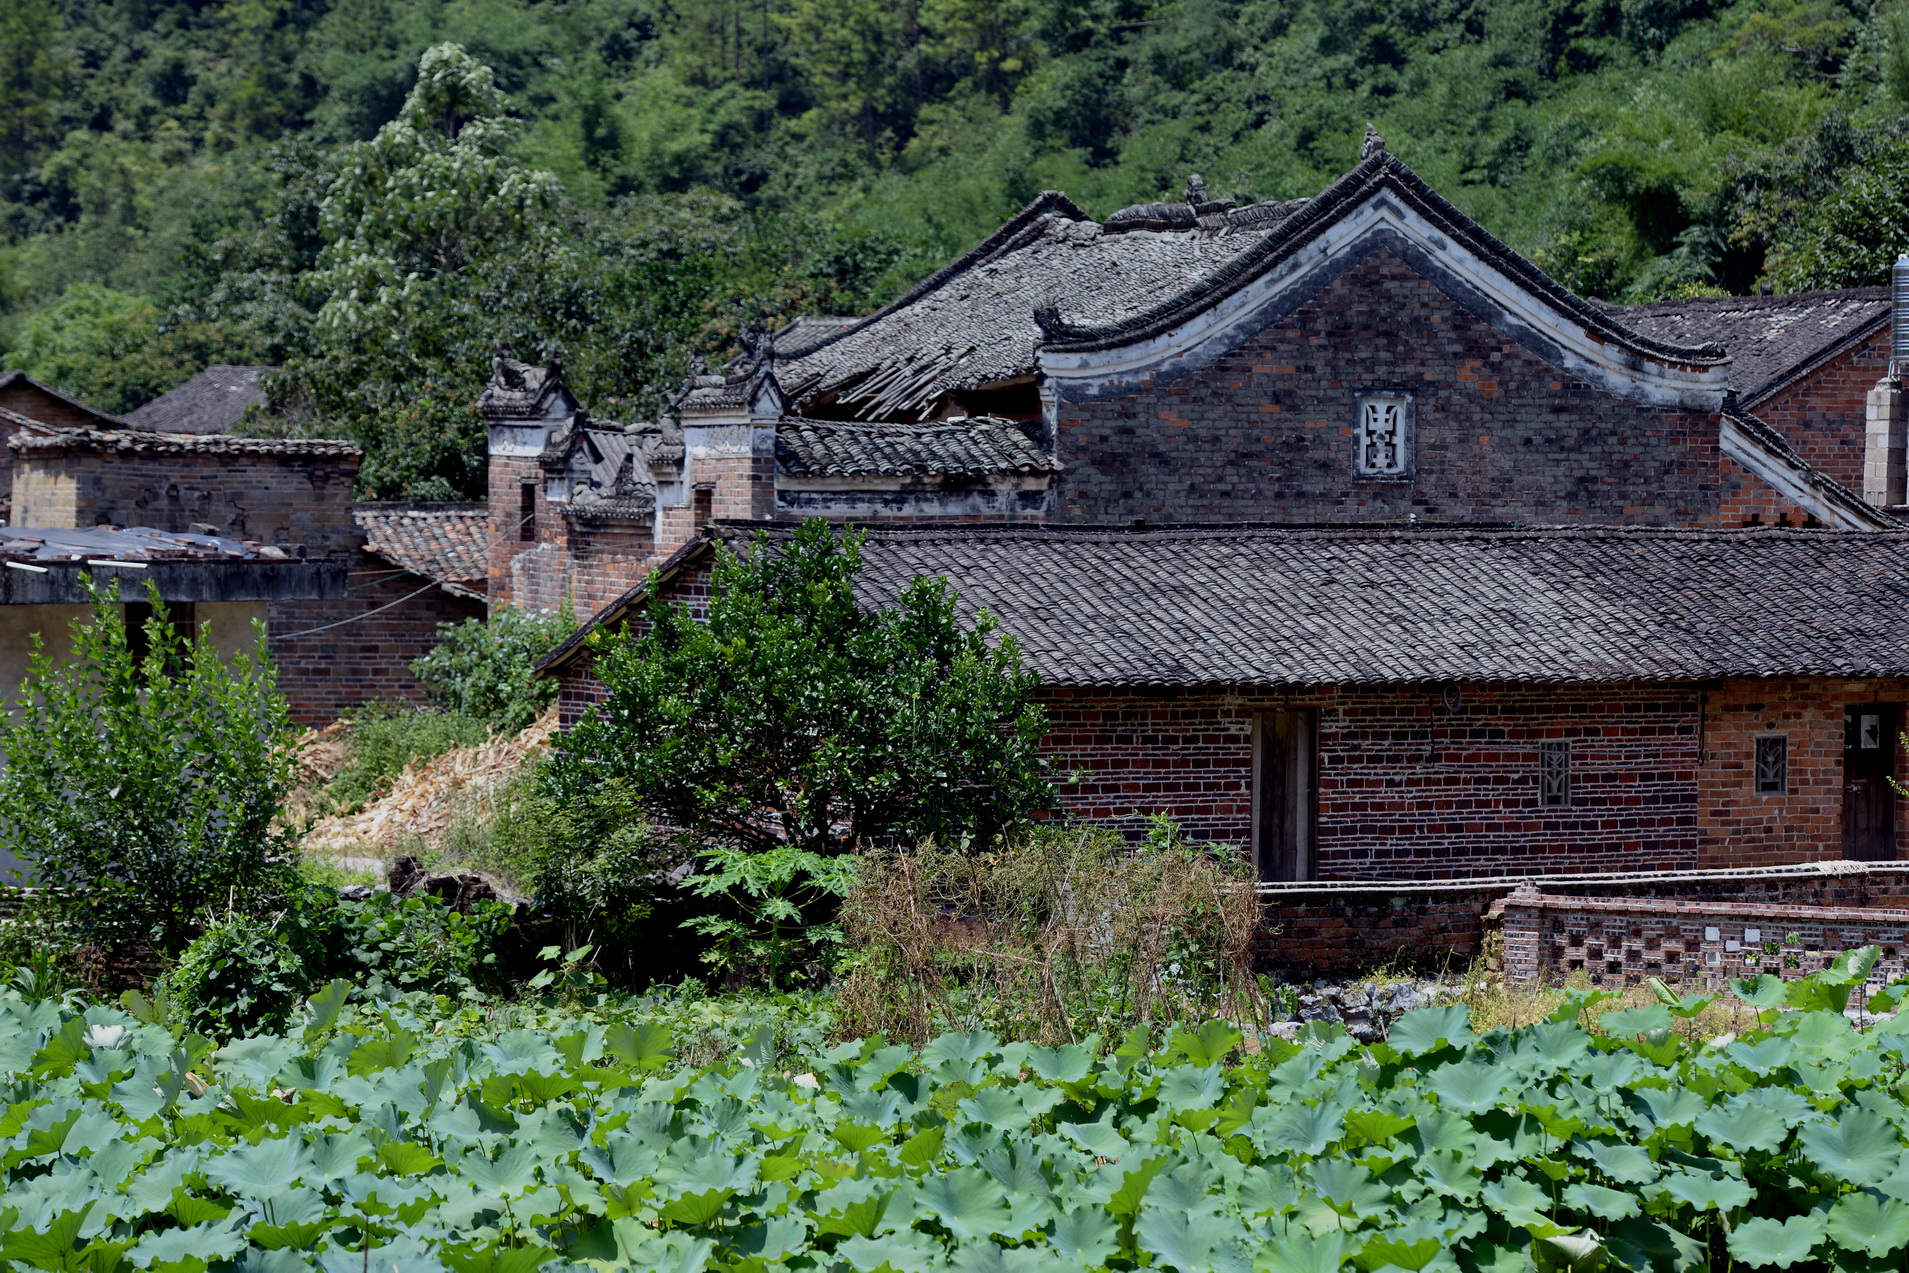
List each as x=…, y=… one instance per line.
x=272, y=180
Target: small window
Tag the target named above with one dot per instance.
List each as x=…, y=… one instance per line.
x=1554, y=773
x=1773, y=763
x=527, y=512
x=1384, y=437
x=1869, y=732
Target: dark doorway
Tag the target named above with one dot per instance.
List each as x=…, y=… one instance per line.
x=1286, y=794
x=1869, y=802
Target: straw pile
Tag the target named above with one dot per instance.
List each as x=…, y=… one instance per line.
x=424, y=799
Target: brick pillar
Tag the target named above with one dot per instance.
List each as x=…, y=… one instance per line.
x=1886, y=435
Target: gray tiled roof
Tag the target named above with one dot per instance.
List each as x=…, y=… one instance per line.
x=972, y=322
x=40, y=437
x=618, y=482
x=446, y=542
x=214, y=401
x=524, y=391
x=1770, y=338
x=980, y=446
x=1281, y=606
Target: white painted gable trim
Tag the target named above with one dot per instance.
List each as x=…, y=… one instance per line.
x=1790, y=477
x=1385, y=220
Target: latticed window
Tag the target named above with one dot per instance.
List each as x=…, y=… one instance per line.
x=1773, y=763
x=1384, y=435
x=1554, y=773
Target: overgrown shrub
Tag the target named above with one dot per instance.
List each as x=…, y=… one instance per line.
x=383, y=740
x=1062, y=934
x=596, y=866
x=238, y=977
x=141, y=787
x=486, y=668
x=246, y=974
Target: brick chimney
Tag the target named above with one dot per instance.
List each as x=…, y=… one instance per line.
x=1886, y=419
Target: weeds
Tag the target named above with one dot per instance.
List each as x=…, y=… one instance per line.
x=1062, y=935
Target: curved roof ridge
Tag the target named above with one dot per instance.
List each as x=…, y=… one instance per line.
x=1002, y=240
x=1338, y=198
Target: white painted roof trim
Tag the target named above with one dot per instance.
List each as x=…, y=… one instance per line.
x=1384, y=220
x=1790, y=477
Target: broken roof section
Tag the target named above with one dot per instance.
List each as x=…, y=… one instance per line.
x=41, y=565
x=1772, y=339
x=214, y=401
x=983, y=446
x=1054, y=278
x=1217, y=607
x=447, y=543
x=971, y=324
x=39, y=438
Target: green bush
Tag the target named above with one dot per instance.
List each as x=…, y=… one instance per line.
x=237, y=978
x=486, y=667
x=383, y=740
x=245, y=974
x=141, y=788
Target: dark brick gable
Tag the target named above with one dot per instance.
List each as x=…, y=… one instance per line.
x=1265, y=432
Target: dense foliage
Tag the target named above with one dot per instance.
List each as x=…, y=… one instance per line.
x=792, y=716
x=363, y=1137
x=487, y=667
x=381, y=740
x=182, y=182
x=143, y=776
x=246, y=974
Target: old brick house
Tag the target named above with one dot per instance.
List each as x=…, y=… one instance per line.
x=1370, y=354
x=1500, y=590
x=403, y=569
x=1438, y=701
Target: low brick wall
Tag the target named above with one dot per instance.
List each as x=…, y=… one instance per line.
x=1354, y=925
x=1547, y=939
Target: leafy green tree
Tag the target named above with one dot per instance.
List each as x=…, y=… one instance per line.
x=30, y=70
x=797, y=716
x=141, y=785
x=115, y=351
x=1857, y=233
x=487, y=667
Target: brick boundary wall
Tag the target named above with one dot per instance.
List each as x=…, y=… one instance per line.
x=1547, y=939
x=1356, y=926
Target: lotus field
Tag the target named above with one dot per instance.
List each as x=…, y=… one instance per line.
x=362, y=1140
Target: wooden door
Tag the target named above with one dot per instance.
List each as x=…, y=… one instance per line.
x=1869, y=802
x=1285, y=795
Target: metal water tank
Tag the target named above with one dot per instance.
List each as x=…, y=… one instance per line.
x=1899, y=310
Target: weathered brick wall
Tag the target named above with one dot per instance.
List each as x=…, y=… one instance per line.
x=1413, y=787
x=1409, y=786
x=1821, y=415
x=1748, y=500
x=605, y=559
x=1265, y=433
x=1354, y=927
x=369, y=659
x=1739, y=826
x=1550, y=938
x=271, y=498
x=508, y=475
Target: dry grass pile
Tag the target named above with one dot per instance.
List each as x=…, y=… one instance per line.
x=1067, y=935
x=426, y=800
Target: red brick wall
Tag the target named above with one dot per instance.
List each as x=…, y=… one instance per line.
x=1821, y=415
x=1408, y=787
x=365, y=661
x=507, y=477
x=34, y=404
x=1266, y=432
x=1411, y=789
x=605, y=558
x=1694, y=940
x=1739, y=827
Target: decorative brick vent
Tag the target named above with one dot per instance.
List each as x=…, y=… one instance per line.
x=1548, y=938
